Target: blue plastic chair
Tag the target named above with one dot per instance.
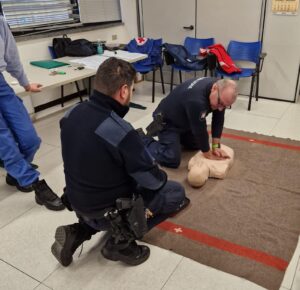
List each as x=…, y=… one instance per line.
x=193, y=46
x=152, y=63
x=250, y=52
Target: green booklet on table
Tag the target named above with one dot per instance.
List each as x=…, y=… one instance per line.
x=48, y=63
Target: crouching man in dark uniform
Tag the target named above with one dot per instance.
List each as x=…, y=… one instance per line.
x=105, y=159
x=180, y=119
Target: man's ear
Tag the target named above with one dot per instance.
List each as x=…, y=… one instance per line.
x=214, y=87
x=124, y=91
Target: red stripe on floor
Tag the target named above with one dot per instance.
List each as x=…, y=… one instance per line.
x=224, y=245
x=264, y=142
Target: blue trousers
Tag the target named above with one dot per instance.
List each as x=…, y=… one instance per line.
x=167, y=150
x=18, y=138
x=162, y=204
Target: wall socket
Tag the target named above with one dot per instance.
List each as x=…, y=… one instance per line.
x=114, y=37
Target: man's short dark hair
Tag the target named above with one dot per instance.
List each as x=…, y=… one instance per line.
x=112, y=74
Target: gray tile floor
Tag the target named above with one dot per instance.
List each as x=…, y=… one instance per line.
x=27, y=229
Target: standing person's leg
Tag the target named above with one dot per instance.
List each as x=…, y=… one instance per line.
x=15, y=163
x=19, y=141
x=167, y=150
x=18, y=144
x=167, y=201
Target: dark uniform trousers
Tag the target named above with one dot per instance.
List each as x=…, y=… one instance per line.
x=167, y=150
x=166, y=201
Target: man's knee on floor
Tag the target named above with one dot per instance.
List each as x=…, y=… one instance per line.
x=171, y=159
x=174, y=195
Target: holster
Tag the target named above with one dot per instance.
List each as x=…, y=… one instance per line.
x=156, y=125
x=134, y=215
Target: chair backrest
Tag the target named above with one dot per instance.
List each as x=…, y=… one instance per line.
x=248, y=51
x=194, y=44
x=151, y=47
x=52, y=52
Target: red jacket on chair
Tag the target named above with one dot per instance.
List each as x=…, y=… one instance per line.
x=224, y=60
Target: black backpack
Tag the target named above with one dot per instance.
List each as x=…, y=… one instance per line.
x=59, y=45
x=80, y=47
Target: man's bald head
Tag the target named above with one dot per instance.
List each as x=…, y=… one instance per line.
x=223, y=94
x=229, y=89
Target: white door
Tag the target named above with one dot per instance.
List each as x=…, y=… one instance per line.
x=229, y=20
x=282, y=45
x=171, y=20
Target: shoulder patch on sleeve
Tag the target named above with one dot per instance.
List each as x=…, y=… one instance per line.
x=113, y=129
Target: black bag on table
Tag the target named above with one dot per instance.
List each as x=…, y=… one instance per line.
x=59, y=45
x=80, y=47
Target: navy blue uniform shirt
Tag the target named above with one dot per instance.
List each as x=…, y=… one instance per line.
x=104, y=157
x=187, y=106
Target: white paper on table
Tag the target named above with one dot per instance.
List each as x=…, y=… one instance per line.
x=125, y=55
x=91, y=62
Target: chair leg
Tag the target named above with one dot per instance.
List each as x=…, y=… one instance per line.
x=90, y=86
x=251, y=91
x=78, y=90
x=153, y=86
x=180, y=76
x=172, y=76
x=257, y=86
x=62, y=95
x=205, y=72
x=162, y=79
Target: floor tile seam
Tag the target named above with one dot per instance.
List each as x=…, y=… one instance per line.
x=47, y=124
x=256, y=115
x=285, y=111
x=16, y=268
x=274, y=126
x=42, y=285
x=44, y=282
x=11, y=221
x=50, y=151
x=295, y=273
x=171, y=274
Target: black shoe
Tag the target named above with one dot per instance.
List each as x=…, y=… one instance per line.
x=13, y=182
x=34, y=166
x=45, y=196
x=131, y=254
x=67, y=240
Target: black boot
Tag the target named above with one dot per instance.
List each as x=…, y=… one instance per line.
x=45, y=196
x=128, y=253
x=68, y=239
x=13, y=182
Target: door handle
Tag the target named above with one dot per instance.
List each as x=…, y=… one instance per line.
x=191, y=27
